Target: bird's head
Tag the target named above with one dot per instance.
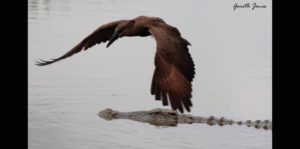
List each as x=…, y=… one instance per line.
x=123, y=29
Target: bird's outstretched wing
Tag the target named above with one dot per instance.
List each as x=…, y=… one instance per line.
x=102, y=34
x=174, y=68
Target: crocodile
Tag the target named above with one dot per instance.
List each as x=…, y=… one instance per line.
x=171, y=118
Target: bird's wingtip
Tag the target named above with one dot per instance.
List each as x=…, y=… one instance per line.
x=43, y=62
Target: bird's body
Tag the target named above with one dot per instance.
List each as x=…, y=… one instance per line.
x=174, y=67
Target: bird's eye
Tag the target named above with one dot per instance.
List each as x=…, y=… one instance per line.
x=132, y=21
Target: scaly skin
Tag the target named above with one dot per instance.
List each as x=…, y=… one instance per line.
x=167, y=117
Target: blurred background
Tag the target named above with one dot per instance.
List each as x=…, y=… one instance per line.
x=232, y=51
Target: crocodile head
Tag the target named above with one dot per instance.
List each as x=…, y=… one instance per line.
x=108, y=114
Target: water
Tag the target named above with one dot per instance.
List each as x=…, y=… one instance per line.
x=231, y=50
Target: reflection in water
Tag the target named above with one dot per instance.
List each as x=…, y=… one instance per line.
x=167, y=117
x=32, y=7
x=37, y=7
x=47, y=5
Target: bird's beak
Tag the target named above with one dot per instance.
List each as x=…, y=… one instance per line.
x=114, y=37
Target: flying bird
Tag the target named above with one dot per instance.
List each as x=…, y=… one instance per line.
x=174, y=67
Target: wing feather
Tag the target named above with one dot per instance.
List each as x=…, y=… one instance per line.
x=102, y=34
x=174, y=68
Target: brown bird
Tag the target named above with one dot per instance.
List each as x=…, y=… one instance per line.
x=174, y=67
